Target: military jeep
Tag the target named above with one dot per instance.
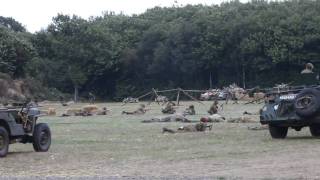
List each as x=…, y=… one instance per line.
x=20, y=125
x=294, y=107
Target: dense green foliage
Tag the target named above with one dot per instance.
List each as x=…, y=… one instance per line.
x=259, y=43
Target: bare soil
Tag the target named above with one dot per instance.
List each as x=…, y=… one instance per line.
x=121, y=146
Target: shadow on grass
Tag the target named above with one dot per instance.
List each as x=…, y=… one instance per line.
x=301, y=138
x=20, y=152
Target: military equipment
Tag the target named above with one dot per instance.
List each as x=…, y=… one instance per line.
x=20, y=125
x=295, y=107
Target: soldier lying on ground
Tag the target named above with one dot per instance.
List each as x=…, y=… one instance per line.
x=104, y=111
x=80, y=113
x=213, y=118
x=169, y=118
x=214, y=108
x=189, y=111
x=199, y=127
x=141, y=110
x=242, y=119
x=168, y=109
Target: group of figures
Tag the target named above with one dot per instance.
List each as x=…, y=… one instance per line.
x=171, y=115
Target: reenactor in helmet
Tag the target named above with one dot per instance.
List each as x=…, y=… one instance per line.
x=308, y=69
x=168, y=109
x=199, y=127
x=190, y=110
x=92, y=98
x=214, y=108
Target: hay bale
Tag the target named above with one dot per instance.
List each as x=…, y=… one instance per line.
x=90, y=109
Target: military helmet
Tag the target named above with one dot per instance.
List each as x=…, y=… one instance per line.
x=309, y=66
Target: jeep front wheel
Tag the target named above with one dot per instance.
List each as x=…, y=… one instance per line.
x=41, y=138
x=315, y=130
x=278, y=132
x=4, y=142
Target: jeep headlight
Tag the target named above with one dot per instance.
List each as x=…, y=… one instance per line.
x=275, y=107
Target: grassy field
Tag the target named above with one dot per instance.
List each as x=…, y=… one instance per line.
x=120, y=145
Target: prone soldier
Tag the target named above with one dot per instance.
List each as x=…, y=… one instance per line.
x=190, y=110
x=199, y=127
x=141, y=110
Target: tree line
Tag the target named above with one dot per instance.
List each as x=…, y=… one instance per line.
x=194, y=46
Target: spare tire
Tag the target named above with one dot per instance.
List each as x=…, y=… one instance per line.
x=307, y=103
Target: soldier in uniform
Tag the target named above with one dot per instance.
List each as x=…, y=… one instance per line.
x=214, y=108
x=307, y=77
x=308, y=69
x=104, y=111
x=140, y=110
x=92, y=98
x=168, y=109
x=190, y=110
x=199, y=127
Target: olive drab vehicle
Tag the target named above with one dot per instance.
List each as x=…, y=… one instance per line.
x=20, y=125
x=293, y=107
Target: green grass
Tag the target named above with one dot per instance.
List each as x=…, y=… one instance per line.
x=121, y=145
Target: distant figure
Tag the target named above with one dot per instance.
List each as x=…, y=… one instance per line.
x=190, y=110
x=92, y=98
x=214, y=108
x=308, y=69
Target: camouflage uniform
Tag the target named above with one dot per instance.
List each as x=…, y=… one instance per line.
x=168, y=109
x=190, y=110
x=214, y=108
x=169, y=118
x=140, y=110
x=199, y=127
x=103, y=112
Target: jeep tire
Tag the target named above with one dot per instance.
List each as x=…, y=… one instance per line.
x=315, y=130
x=41, y=138
x=4, y=142
x=278, y=132
x=307, y=103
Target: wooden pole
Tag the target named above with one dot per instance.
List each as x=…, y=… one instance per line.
x=243, y=77
x=142, y=96
x=168, y=90
x=75, y=93
x=210, y=81
x=178, y=97
x=191, y=97
x=199, y=91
